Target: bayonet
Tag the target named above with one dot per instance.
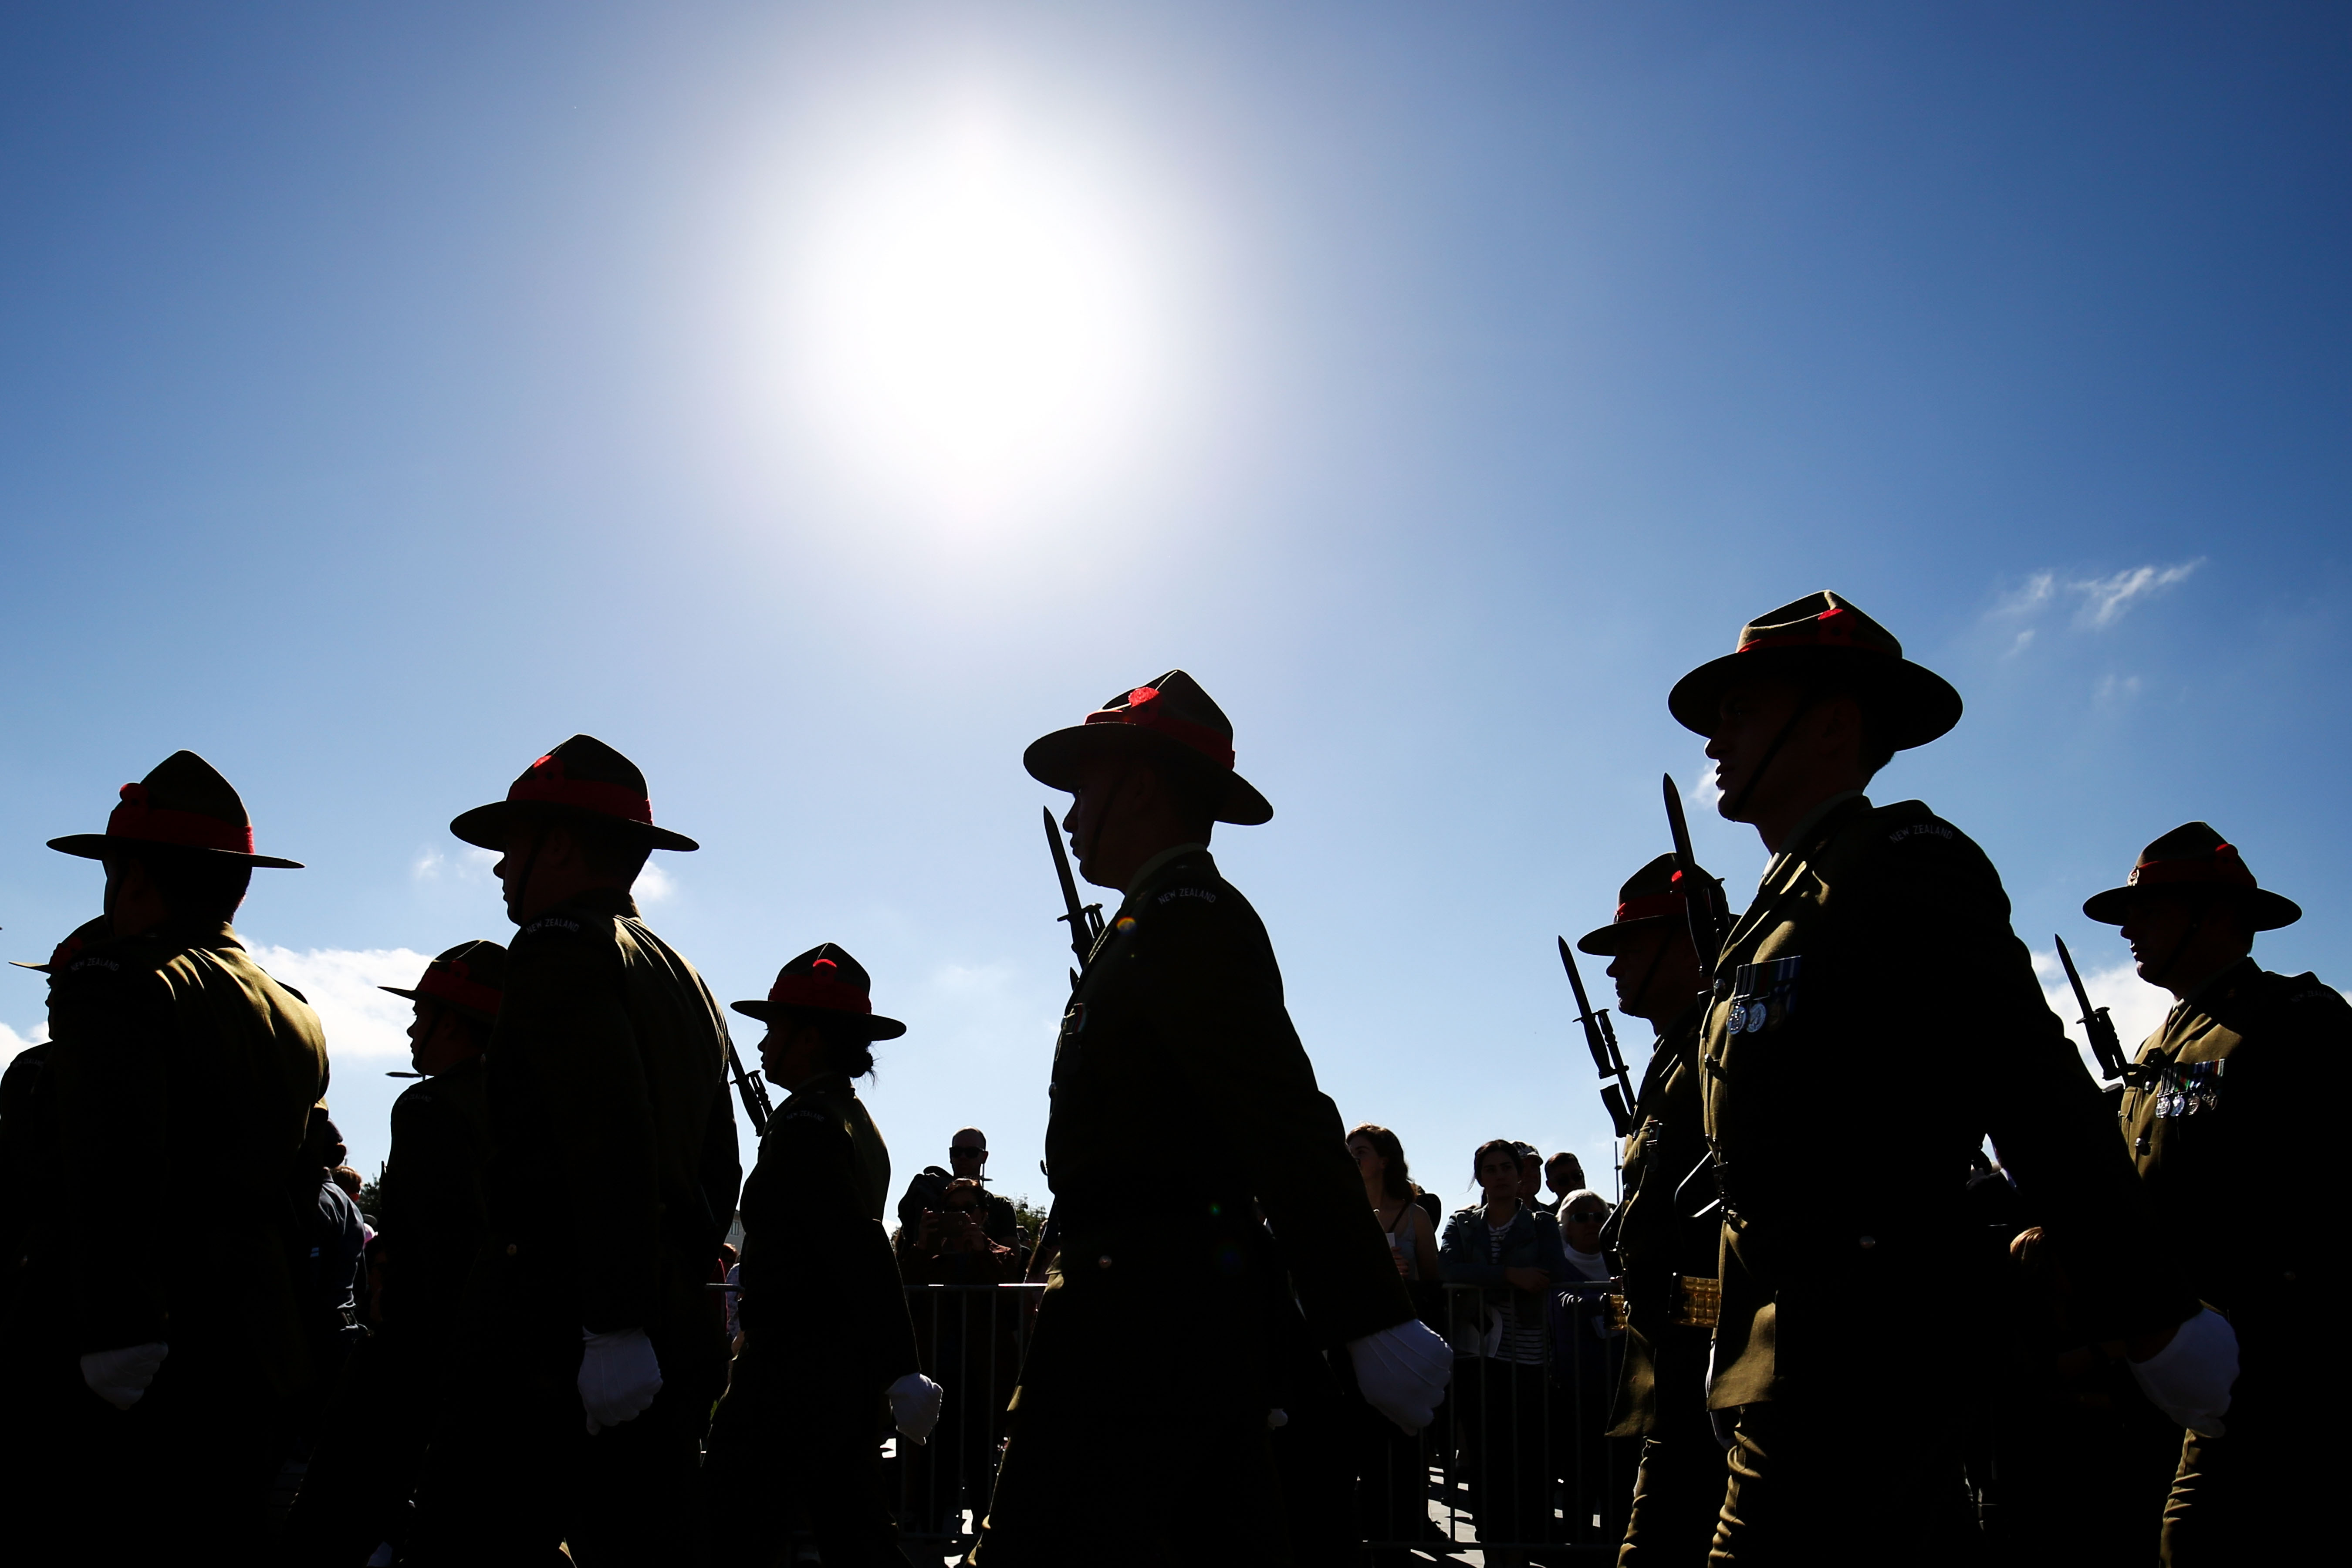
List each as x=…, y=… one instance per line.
x=1085, y=919
x=1601, y=1039
x=1702, y=894
x=2098, y=1027
x=753, y=1090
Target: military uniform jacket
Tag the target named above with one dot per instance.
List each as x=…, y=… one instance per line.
x=1178, y=1031
x=614, y=1173
x=173, y=1052
x=822, y=1304
x=1873, y=1020
x=1664, y=1382
x=435, y=1198
x=2234, y=1133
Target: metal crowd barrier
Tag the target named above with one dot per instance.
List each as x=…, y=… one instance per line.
x=1516, y=1462
x=971, y=1338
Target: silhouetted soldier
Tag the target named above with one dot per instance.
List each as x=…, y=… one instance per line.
x=2234, y=1134
x=1841, y=1102
x=173, y=1051
x=1142, y=1414
x=434, y=1207
x=1666, y=1232
x=827, y=1343
x=612, y=1182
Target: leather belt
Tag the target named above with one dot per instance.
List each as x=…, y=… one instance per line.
x=1694, y=1301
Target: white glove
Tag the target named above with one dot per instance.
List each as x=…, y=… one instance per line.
x=915, y=1405
x=618, y=1377
x=1403, y=1372
x=121, y=1377
x=2190, y=1379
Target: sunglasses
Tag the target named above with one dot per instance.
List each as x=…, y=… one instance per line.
x=1588, y=1217
x=961, y=1149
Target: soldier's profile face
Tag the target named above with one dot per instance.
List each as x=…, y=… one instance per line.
x=1747, y=720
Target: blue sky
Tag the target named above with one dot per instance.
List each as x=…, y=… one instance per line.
x=820, y=402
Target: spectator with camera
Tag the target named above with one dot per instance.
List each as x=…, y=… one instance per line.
x=966, y=1160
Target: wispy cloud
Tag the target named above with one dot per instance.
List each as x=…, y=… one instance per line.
x=2106, y=598
x=341, y=984
x=2102, y=601
x=654, y=885
x=466, y=864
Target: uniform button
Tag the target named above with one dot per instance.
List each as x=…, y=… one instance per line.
x=1868, y=1242
x=1103, y=1262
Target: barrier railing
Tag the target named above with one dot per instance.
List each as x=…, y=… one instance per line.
x=1517, y=1460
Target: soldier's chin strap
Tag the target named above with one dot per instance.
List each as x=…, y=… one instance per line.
x=1805, y=705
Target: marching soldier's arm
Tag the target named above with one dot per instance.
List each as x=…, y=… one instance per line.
x=112, y=1014
x=435, y=1207
x=563, y=1014
x=1223, y=1030
x=2050, y=1125
x=812, y=1224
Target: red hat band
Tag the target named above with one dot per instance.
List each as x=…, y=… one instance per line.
x=2221, y=866
x=546, y=783
x=1831, y=629
x=816, y=991
x=135, y=819
x=450, y=983
x=1649, y=907
x=1145, y=710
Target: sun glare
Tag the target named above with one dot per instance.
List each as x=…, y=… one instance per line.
x=981, y=327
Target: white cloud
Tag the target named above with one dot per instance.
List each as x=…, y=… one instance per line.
x=466, y=864
x=654, y=885
x=11, y=1042
x=2136, y=1007
x=2106, y=598
x=341, y=983
x=2035, y=592
x=2119, y=687
x=1704, y=790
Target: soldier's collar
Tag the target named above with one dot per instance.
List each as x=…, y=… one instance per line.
x=1802, y=835
x=1156, y=864
x=2216, y=984
x=600, y=900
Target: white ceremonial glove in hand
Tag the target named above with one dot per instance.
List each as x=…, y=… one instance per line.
x=915, y=1405
x=121, y=1377
x=2190, y=1379
x=618, y=1377
x=1403, y=1372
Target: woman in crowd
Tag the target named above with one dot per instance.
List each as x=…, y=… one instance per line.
x=1392, y=1467
x=1413, y=1239
x=1513, y=1252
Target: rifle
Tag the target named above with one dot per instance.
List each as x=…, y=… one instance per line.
x=1601, y=1038
x=2098, y=1027
x=754, y=1092
x=1085, y=919
x=1710, y=918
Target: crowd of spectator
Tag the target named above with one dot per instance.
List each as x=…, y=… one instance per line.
x=1520, y=1446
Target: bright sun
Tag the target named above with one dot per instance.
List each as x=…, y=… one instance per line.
x=981, y=322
